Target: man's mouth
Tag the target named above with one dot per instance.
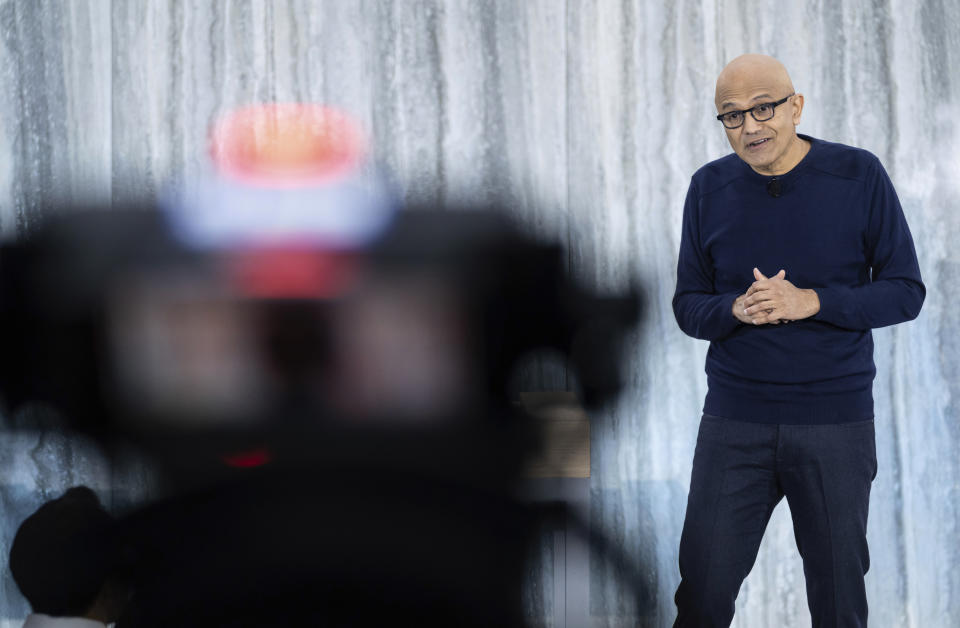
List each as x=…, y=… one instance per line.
x=760, y=142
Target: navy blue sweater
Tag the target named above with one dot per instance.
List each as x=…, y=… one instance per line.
x=837, y=228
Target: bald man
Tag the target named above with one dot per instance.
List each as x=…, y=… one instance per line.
x=792, y=250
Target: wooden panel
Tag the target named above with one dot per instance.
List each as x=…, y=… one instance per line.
x=566, y=435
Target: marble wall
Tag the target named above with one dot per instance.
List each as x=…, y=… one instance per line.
x=589, y=116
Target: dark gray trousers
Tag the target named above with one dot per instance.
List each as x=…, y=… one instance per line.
x=741, y=470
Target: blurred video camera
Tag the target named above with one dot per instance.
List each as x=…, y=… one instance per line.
x=308, y=366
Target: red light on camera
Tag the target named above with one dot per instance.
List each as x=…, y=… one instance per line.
x=292, y=273
x=247, y=459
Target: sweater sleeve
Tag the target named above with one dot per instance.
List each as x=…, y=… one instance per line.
x=895, y=291
x=699, y=310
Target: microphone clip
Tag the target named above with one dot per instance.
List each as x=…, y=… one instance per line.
x=774, y=188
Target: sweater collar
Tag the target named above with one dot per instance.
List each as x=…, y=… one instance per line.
x=786, y=179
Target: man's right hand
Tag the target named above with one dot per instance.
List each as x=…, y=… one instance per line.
x=738, y=310
x=738, y=307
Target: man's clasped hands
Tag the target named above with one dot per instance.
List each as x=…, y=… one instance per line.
x=774, y=300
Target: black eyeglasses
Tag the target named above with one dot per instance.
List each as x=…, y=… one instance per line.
x=761, y=113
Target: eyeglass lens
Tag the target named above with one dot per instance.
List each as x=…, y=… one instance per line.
x=760, y=113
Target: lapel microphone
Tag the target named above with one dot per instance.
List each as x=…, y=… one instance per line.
x=773, y=187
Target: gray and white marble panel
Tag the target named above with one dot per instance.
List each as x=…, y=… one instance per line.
x=588, y=117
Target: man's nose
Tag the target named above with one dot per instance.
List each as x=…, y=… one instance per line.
x=750, y=126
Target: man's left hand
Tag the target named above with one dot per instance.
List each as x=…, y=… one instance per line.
x=776, y=299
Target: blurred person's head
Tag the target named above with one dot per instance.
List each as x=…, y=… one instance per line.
x=63, y=558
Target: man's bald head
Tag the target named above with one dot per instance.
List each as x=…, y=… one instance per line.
x=749, y=71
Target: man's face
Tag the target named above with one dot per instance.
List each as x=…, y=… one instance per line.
x=770, y=146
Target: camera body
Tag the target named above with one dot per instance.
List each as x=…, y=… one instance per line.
x=335, y=426
x=129, y=330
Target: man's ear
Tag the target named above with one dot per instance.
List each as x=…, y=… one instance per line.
x=797, y=108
